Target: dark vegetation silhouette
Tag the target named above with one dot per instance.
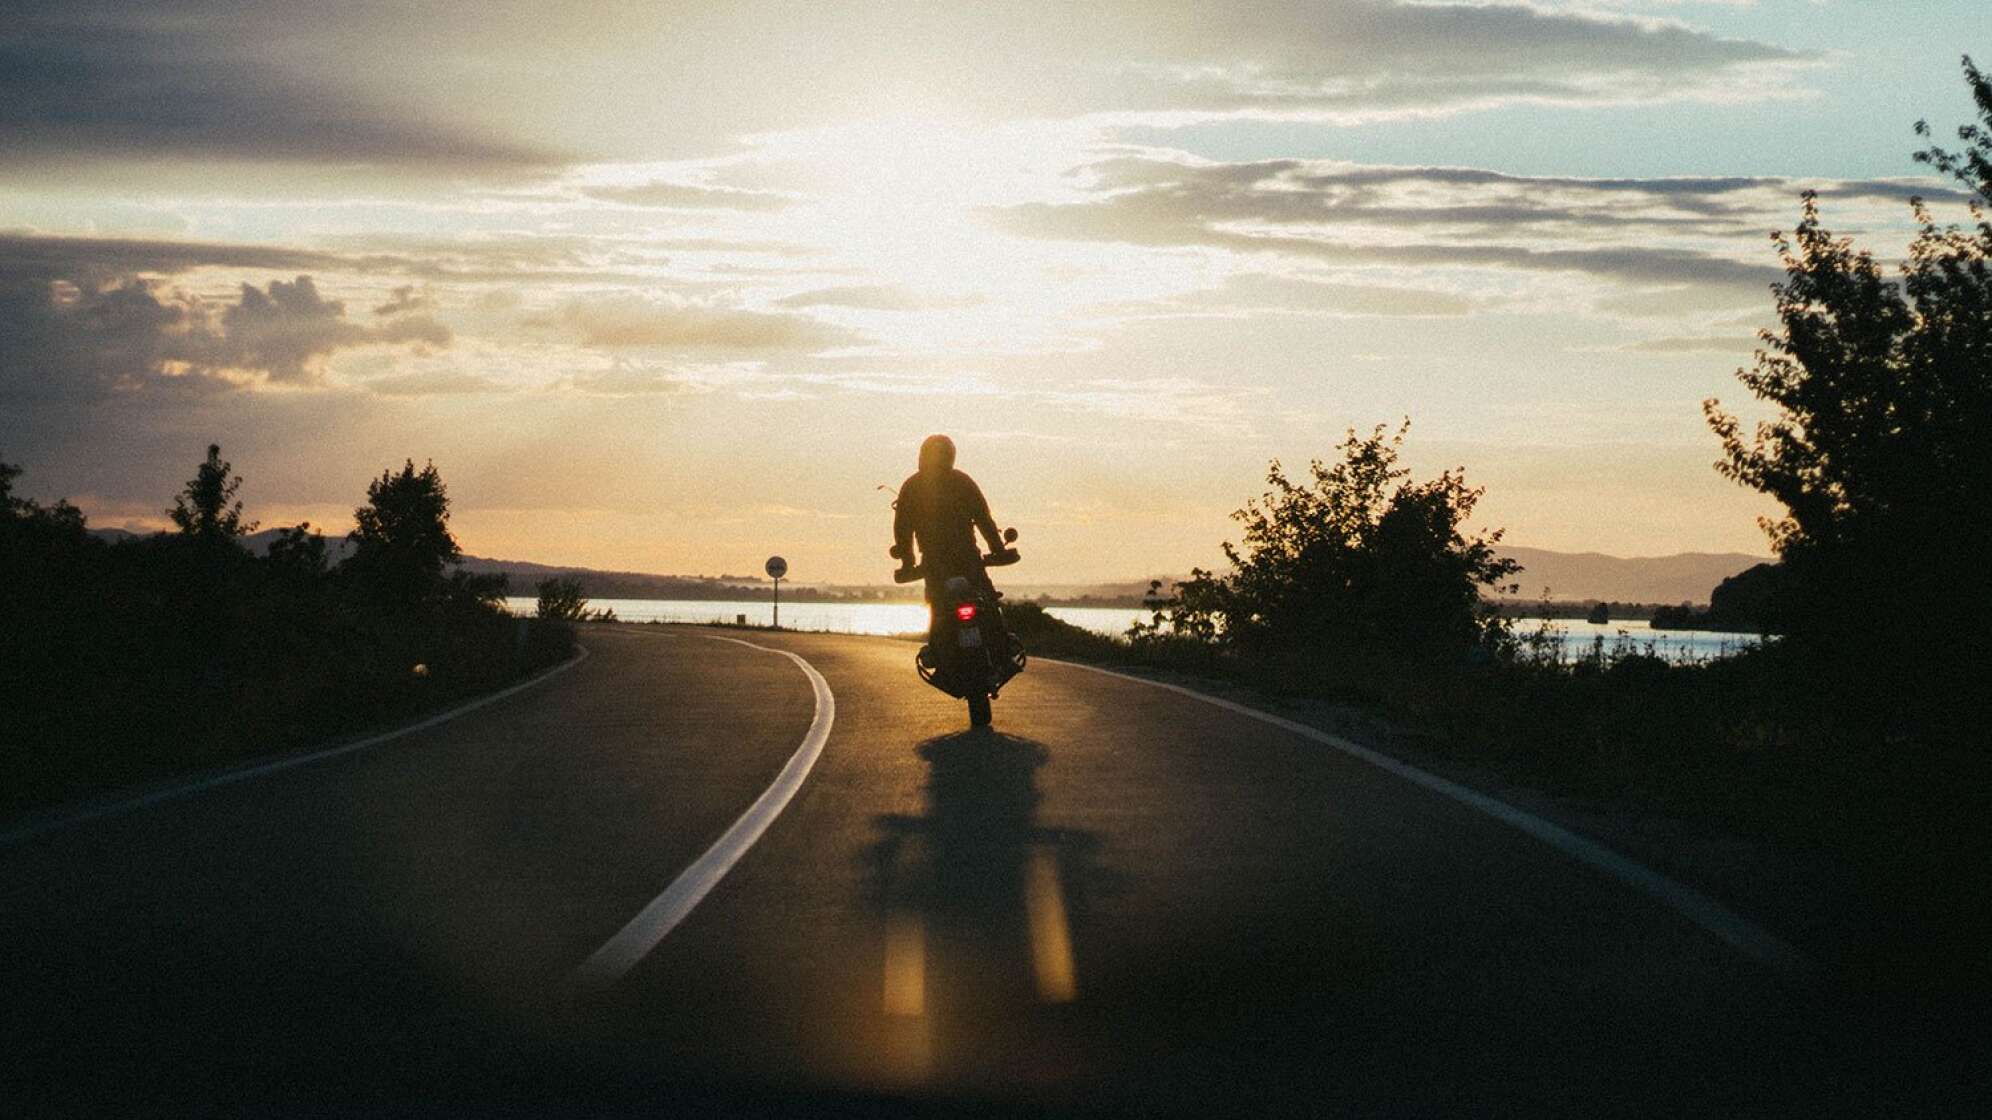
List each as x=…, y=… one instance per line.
x=561, y=600
x=123, y=662
x=402, y=544
x=1880, y=453
x=207, y=509
x=1754, y=600
x=1358, y=563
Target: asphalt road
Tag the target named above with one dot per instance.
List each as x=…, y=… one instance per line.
x=1121, y=899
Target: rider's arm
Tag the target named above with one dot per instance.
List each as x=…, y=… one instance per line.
x=978, y=512
x=902, y=523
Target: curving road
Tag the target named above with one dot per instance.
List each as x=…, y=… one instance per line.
x=1124, y=898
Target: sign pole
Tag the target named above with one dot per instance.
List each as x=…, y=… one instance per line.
x=776, y=569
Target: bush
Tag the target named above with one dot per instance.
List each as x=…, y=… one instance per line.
x=1360, y=563
x=561, y=599
x=1047, y=636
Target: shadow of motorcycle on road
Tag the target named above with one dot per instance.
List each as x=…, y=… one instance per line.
x=984, y=907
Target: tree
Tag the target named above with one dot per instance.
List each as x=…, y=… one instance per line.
x=1877, y=452
x=1358, y=561
x=206, y=510
x=1750, y=600
x=561, y=599
x=403, y=541
x=298, y=554
x=29, y=517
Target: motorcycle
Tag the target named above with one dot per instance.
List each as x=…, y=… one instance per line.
x=970, y=653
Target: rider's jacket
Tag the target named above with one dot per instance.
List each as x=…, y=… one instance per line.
x=943, y=509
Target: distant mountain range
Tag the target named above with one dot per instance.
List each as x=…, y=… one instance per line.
x=1685, y=577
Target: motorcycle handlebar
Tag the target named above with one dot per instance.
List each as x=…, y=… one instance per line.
x=909, y=572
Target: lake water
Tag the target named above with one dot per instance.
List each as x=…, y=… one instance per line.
x=1574, y=636
x=838, y=618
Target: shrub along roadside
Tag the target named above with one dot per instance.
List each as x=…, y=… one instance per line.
x=126, y=663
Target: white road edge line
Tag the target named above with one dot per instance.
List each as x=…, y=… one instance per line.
x=636, y=939
x=1734, y=929
x=70, y=818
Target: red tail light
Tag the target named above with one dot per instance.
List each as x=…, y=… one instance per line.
x=965, y=612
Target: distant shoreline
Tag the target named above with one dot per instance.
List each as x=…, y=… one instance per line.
x=1572, y=583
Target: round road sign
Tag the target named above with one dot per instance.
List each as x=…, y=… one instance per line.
x=777, y=567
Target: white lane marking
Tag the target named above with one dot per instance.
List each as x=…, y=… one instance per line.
x=68, y=818
x=1739, y=932
x=636, y=939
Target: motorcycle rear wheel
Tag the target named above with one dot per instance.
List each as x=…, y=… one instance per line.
x=978, y=710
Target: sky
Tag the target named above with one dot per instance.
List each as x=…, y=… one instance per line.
x=671, y=287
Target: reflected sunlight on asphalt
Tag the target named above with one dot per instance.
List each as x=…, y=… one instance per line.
x=1051, y=936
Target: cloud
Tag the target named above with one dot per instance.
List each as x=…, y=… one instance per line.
x=405, y=300
x=431, y=86
x=122, y=81
x=876, y=297
x=736, y=245
x=102, y=258
x=624, y=381
x=1359, y=61
x=625, y=322
x=1163, y=400
x=1630, y=263
x=690, y=196
x=434, y=383
x=899, y=384
x=1174, y=401
x=65, y=340
x=1337, y=295
x=1641, y=232
x=487, y=258
x=1698, y=344
x=283, y=329
x=775, y=395
x=1297, y=190
x=464, y=259
x=78, y=336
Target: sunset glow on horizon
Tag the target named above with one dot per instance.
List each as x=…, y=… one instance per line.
x=672, y=287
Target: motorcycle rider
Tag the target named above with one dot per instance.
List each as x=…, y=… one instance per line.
x=943, y=509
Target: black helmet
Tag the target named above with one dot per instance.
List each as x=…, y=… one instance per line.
x=937, y=453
